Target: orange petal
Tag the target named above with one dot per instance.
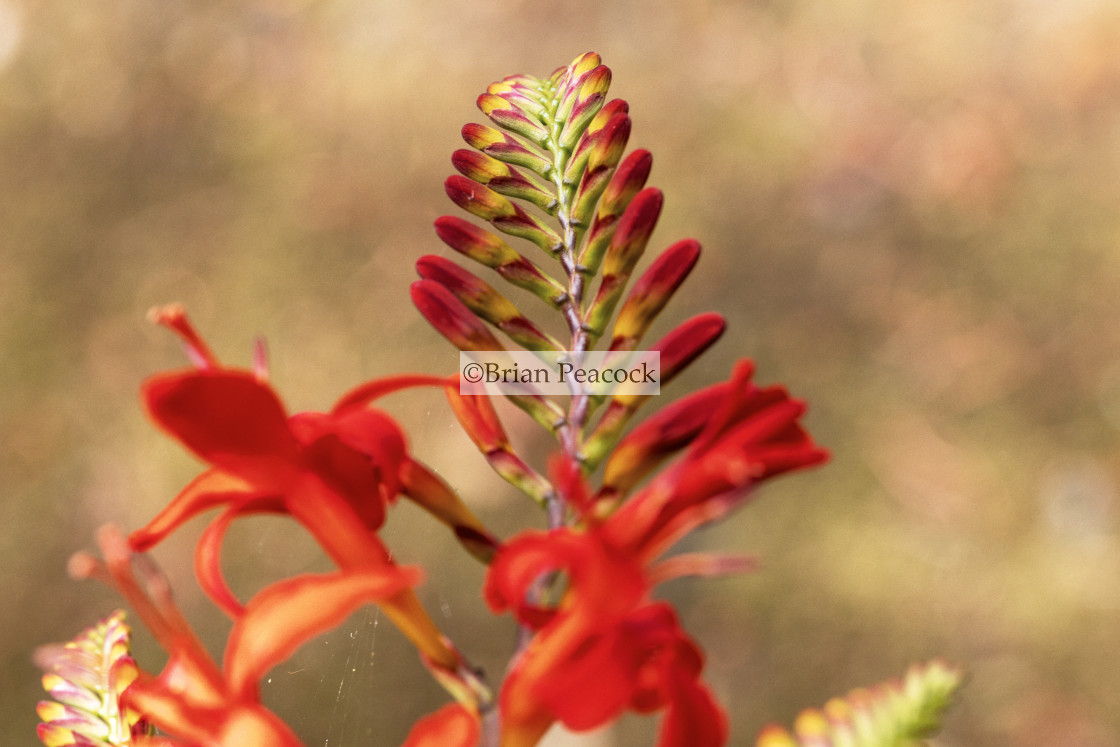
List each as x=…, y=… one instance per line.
x=211, y=488
x=451, y=726
x=208, y=564
x=285, y=615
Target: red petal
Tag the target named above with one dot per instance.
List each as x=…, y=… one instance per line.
x=568, y=478
x=380, y=439
x=450, y=726
x=669, y=429
x=229, y=419
x=520, y=562
x=695, y=717
x=338, y=529
x=164, y=703
x=603, y=584
x=334, y=522
x=172, y=710
x=593, y=683
x=358, y=478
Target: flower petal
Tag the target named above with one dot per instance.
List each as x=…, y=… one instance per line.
x=229, y=419
x=368, y=482
x=593, y=683
x=655, y=438
x=694, y=717
x=208, y=564
x=451, y=726
x=230, y=723
x=211, y=488
x=282, y=617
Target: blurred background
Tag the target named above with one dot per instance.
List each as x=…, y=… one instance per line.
x=909, y=213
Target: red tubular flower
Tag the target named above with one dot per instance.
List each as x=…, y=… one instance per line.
x=335, y=473
x=749, y=434
x=605, y=646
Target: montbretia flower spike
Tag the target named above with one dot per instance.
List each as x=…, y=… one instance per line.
x=86, y=678
x=568, y=223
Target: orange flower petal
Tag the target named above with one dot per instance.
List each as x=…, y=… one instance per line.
x=451, y=726
x=282, y=617
x=229, y=419
x=211, y=488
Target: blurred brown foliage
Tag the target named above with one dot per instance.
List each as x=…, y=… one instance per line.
x=909, y=213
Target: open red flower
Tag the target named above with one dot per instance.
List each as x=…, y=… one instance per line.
x=603, y=648
x=737, y=435
x=606, y=646
x=335, y=473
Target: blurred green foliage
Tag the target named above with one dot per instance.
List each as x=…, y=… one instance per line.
x=909, y=214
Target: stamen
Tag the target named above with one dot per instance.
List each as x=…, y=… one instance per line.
x=260, y=360
x=174, y=317
x=82, y=565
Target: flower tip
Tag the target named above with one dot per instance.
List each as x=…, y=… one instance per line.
x=168, y=315
x=774, y=735
x=81, y=566
x=173, y=316
x=478, y=543
x=260, y=359
x=112, y=541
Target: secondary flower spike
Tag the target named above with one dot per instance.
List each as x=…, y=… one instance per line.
x=86, y=677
